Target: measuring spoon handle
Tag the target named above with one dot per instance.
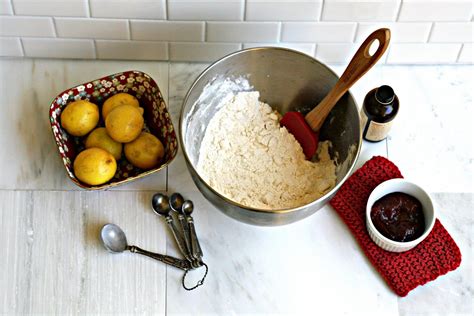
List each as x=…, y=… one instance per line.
x=195, y=246
x=185, y=233
x=179, y=239
x=172, y=261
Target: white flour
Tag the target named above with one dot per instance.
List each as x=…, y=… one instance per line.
x=246, y=156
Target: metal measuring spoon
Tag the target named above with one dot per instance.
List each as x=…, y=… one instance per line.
x=161, y=205
x=115, y=241
x=196, y=250
x=176, y=203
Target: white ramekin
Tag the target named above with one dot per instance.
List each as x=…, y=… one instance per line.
x=400, y=185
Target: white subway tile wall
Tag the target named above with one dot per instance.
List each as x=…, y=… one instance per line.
x=186, y=31
x=51, y=7
x=10, y=46
x=128, y=9
x=423, y=31
x=6, y=7
x=242, y=31
x=467, y=54
x=206, y=10
x=401, y=32
x=335, y=53
x=283, y=10
x=436, y=10
x=203, y=52
x=26, y=26
x=92, y=28
x=318, y=32
x=357, y=10
x=134, y=50
x=453, y=32
x=405, y=53
x=59, y=48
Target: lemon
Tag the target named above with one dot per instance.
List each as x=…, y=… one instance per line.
x=99, y=138
x=80, y=117
x=124, y=123
x=94, y=166
x=145, y=152
x=116, y=100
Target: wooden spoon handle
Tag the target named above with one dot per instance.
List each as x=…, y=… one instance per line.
x=359, y=65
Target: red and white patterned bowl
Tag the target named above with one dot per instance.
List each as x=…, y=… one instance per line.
x=157, y=121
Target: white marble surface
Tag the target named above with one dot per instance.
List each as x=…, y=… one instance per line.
x=53, y=263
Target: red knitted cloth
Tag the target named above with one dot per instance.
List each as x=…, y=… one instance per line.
x=436, y=255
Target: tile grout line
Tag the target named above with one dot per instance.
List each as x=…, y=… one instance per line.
x=354, y=38
x=129, y=29
x=430, y=33
x=320, y=17
x=459, y=53
x=55, y=28
x=22, y=46
x=88, y=8
x=168, y=52
x=13, y=8
x=389, y=50
x=94, y=41
x=397, y=18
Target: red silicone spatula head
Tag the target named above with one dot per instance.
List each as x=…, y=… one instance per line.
x=296, y=125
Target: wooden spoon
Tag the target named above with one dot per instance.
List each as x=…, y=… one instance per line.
x=306, y=128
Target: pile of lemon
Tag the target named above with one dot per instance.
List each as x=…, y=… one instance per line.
x=124, y=122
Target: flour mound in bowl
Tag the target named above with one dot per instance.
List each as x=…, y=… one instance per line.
x=249, y=158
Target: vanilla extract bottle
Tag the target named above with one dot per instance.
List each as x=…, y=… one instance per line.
x=378, y=113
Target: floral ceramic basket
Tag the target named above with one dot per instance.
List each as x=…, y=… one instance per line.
x=157, y=122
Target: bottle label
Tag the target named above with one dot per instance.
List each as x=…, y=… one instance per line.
x=375, y=131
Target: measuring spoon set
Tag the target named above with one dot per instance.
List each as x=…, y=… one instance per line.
x=115, y=241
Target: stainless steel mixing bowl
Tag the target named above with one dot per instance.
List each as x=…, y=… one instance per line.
x=287, y=80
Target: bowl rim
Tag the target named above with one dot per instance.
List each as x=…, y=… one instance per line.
x=109, y=185
x=259, y=210
x=399, y=244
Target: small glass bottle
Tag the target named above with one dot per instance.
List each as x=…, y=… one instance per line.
x=378, y=112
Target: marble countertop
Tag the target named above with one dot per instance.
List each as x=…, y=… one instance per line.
x=52, y=261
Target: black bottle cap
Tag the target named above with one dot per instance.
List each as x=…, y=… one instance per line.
x=384, y=94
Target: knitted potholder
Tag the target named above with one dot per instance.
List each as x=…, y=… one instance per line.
x=436, y=255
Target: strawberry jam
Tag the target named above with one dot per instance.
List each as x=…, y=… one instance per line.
x=398, y=216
